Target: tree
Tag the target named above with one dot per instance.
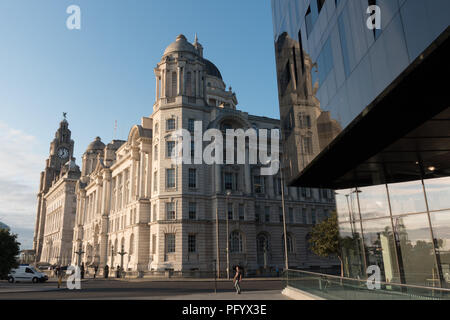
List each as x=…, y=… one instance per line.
x=325, y=241
x=9, y=249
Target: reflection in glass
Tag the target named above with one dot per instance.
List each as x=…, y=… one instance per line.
x=306, y=128
x=352, y=251
x=407, y=197
x=438, y=193
x=373, y=202
x=347, y=205
x=380, y=248
x=440, y=222
x=416, y=250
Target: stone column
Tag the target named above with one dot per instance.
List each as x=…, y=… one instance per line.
x=197, y=84
x=157, y=88
x=163, y=84
x=217, y=177
x=270, y=191
x=179, y=82
x=248, y=185
x=142, y=175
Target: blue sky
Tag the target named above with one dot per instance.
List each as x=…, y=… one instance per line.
x=104, y=72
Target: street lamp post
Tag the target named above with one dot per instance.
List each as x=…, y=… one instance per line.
x=79, y=253
x=286, y=259
x=217, y=239
x=228, y=238
x=215, y=276
x=112, y=256
x=122, y=253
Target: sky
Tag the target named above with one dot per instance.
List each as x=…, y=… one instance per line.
x=104, y=72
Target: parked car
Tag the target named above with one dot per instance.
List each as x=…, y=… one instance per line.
x=25, y=273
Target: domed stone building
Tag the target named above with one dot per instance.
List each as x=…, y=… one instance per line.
x=138, y=209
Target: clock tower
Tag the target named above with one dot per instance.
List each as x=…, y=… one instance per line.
x=61, y=152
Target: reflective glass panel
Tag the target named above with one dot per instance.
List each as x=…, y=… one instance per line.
x=415, y=248
x=438, y=193
x=440, y=222
x=380, y=248
x=347, y=205
x=407, y=197
x=352, y=251
x=373, y=202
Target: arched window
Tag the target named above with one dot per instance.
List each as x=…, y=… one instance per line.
x=262, y=243
x=290, y=244
x=236, y=242
x=131, y=250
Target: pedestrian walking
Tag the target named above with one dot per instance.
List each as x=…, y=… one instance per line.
x=58, y=275
x=82, y=270
x=237, y=279
x=95, y=270
x=118, y=271
x=106, y=271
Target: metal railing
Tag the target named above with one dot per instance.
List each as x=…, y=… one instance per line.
x=341, y=288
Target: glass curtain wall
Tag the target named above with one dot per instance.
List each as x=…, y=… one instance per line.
x=403, y=228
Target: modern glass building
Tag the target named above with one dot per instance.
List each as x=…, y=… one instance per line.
x=365, y=111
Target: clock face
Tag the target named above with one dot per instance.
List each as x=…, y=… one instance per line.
x=63, y=153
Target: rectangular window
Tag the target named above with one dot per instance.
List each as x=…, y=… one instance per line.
x=307, y=145
x=192, y=245
x=257, y=213
x=258, y=183
x=280, y=214
x=170, y=149
x=155, y=181
x=155, y=213
x=170, y=124
x=304, y=213
x=192, y=210
x=170, y=211
x=241, y=212
x=267, y=214
x=291, y=215
x=230, y=211
x=192, y=148
x=191, y=126
x=228, y=181
x=170, y=242
x=170, y=178
x=192, y=178
x=313, y=216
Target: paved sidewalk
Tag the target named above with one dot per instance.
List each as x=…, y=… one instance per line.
x=245, y=295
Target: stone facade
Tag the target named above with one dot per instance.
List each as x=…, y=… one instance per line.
x=137, y=208
x=57, y=201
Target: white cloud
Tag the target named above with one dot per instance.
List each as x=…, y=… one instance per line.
x=20, y=167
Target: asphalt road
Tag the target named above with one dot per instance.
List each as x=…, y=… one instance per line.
x=134, y=289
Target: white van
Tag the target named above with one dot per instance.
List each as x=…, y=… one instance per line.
x=26, y=273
